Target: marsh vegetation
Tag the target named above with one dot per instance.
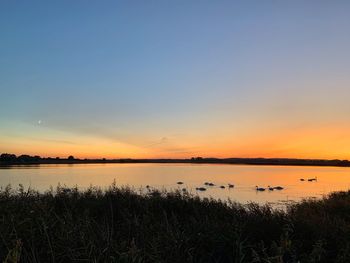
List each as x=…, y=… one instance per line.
x=122, y=225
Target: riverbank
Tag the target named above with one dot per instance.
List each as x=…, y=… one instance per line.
x=123, y=226
x=11, y=159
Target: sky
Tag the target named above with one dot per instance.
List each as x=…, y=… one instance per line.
x=175, y=79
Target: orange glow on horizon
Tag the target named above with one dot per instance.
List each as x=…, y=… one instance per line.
x=328, y=143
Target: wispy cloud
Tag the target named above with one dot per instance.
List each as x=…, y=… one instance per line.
x=163, y=140
x=54, y=141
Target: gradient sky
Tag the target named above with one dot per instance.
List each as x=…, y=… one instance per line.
x=175, y=78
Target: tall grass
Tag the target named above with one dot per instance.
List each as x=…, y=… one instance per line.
x=121, y=225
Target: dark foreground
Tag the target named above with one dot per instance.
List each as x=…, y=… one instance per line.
x=119, y=225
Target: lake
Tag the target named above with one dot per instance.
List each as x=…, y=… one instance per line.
x=166, y=176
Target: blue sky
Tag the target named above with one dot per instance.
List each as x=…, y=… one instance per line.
x=174, y=78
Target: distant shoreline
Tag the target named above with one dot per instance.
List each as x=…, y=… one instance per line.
x=6, y=160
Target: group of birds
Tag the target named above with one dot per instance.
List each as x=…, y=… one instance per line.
x=310, y=179
x=209, y=184
x=260, y=189
x=270, y=188
x=257, y=188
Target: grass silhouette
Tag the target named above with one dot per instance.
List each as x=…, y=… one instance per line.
x=122, y=225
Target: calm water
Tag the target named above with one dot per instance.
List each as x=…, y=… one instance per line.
x=244, y=177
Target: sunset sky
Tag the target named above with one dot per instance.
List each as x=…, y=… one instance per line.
x=175, y=79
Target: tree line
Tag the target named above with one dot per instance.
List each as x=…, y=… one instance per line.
x=9, y=158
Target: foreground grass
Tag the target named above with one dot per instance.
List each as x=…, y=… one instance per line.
x=120, y=225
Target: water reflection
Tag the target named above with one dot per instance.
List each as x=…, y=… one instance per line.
x=245, y=178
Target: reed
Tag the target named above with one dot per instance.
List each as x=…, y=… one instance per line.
x=124, y=225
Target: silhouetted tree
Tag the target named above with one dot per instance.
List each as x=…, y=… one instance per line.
x=197, y=159
x=24, y=158
x=71, y=158
x=8, y=158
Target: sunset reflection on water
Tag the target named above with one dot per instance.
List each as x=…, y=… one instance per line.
x=166, y=176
